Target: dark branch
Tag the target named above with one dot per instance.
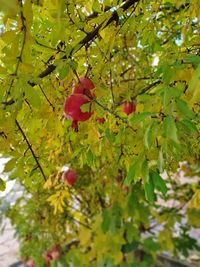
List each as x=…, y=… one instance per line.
x=30, y=148
x=89, y=37
x=23, y=29
x=147, y=88
x=43, y=92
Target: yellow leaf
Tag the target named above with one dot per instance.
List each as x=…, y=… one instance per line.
x=193, y=91
x=118, y=257
x=84, y=236
x=48, y=184
x=195, y=201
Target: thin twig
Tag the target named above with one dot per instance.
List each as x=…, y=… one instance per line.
x=90, y=36
x=46, y=97
x=147, y=88
x=51, y=48
x=30, y=148
x=23, y=28
x=111, y=85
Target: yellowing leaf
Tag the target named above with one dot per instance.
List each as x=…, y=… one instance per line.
x=118, y=257
x=2, y=185
x=84, y=236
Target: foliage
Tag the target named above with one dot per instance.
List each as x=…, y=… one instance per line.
x=142, y=51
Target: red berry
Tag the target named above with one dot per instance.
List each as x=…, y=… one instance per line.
x=72, y=108
x=30, y=263
x=100, y=120
x=55, y=252
x=69, y=177
x=128, y=107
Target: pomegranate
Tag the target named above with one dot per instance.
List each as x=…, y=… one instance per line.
x=72, y=107
x=84, y=86
x=69, y=177
x=100, y=120
x=30, y=263
x=86, y=83
x=128, y=107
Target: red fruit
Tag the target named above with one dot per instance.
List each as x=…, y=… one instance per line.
x=30, y=263
x=100, y=120
x=84, y=86
x=86, y=83
x=69, y=177
x=126, y=189
x=47, y=258
x=128, y=107
x=72, y=108
x=55, y=252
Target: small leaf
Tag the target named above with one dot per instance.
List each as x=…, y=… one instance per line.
x=106, y=221
x=32, y=96
x=110, y=136
x=96, y=6
x=161, y=162
x=148, y=136
x=10, y=165
x=90, y=158
x=2, y=185
x=63, y=71
x=169, y=128
x=193, y=59
x=138, y=117
x=86, y=107
x=149, y=191
x=184, y=109
x=145, y=171
x=191, y=126
x=131, y=173
x=158, y=182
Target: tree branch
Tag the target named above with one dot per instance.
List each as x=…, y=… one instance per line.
x=23, y=28
x=43, y=92
x=30, y=148
x=147, y=88
x=89, y=37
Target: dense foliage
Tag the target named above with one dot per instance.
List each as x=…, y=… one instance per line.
x=123, y=159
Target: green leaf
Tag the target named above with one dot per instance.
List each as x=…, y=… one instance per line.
x=64, y=71
x=161, y=162
x=96, y=6
x=169, y=128
x=110, y=136
x=86, y=107
x=193, y=59
x=10, y=165
x=90, y=158
x=184, y=109
x=145, y=171
x=190, y=125
x=158, y=182
x=106, y=221
x=131, y=173
x=148, y=136
x=138, y=117
x=33, y=96
x=149, y=191
x=2, y=185
x=150, y=245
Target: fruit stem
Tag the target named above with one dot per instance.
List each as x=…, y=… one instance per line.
x=75, y=126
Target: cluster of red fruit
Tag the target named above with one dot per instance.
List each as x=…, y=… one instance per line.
x=81, y=95
x=52, y=254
